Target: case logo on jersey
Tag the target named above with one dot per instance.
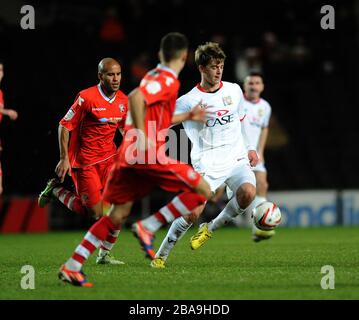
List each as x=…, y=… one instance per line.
x=222, y=118
x=69, y=115
x=227, y=100
x=153, y=87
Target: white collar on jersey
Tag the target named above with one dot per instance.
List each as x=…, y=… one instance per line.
x=104, y=96
x=165, y=68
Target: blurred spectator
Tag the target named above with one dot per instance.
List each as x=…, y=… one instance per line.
x=139, y=67
x=300, y=52
x=249, y=61
x=112, y=30
x=273, y=50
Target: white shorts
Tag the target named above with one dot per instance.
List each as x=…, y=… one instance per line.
x=241, y=173
x=260, y=167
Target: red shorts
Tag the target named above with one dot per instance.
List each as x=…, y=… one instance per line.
x=127, y=184
x=90, y=181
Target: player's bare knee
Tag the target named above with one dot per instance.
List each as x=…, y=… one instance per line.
x=119, y=213
x=246, y=194
x=95, y=211
x=117, y=217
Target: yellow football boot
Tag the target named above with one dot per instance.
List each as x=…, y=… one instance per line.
x=201, y=236
x=158, y=263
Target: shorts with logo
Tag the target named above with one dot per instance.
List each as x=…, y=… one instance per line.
x=128, y=184
x=90, y=181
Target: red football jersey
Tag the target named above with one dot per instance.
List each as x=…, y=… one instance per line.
x=1, y=104
x=93, y=120
x=160, y=90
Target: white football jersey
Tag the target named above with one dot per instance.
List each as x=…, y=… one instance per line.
x=218, y=144
x=258, y=114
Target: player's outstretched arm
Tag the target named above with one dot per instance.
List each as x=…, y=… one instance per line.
x=137, y=107
x=12, y=114
x=63, y=167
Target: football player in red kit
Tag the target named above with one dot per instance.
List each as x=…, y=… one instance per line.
x=87, y=149
x=141, y=163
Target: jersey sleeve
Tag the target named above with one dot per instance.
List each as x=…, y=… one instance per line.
x=182, y=105
x=75, y=114
x=156, y=90
x=267, y=116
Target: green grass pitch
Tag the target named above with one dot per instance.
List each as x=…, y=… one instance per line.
x=230, y=266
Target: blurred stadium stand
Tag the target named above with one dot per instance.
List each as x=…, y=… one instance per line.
x=311, y=76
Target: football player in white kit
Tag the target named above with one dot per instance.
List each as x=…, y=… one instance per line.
x=223, y=149
x=258, y=112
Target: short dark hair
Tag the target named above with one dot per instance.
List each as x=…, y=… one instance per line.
x=255, y=74
x=208, y=51
x=172, y=44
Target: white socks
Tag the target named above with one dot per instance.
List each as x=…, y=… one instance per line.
x=230, y=211
x=73, y=265
x=152, y=224
x=177, y=230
